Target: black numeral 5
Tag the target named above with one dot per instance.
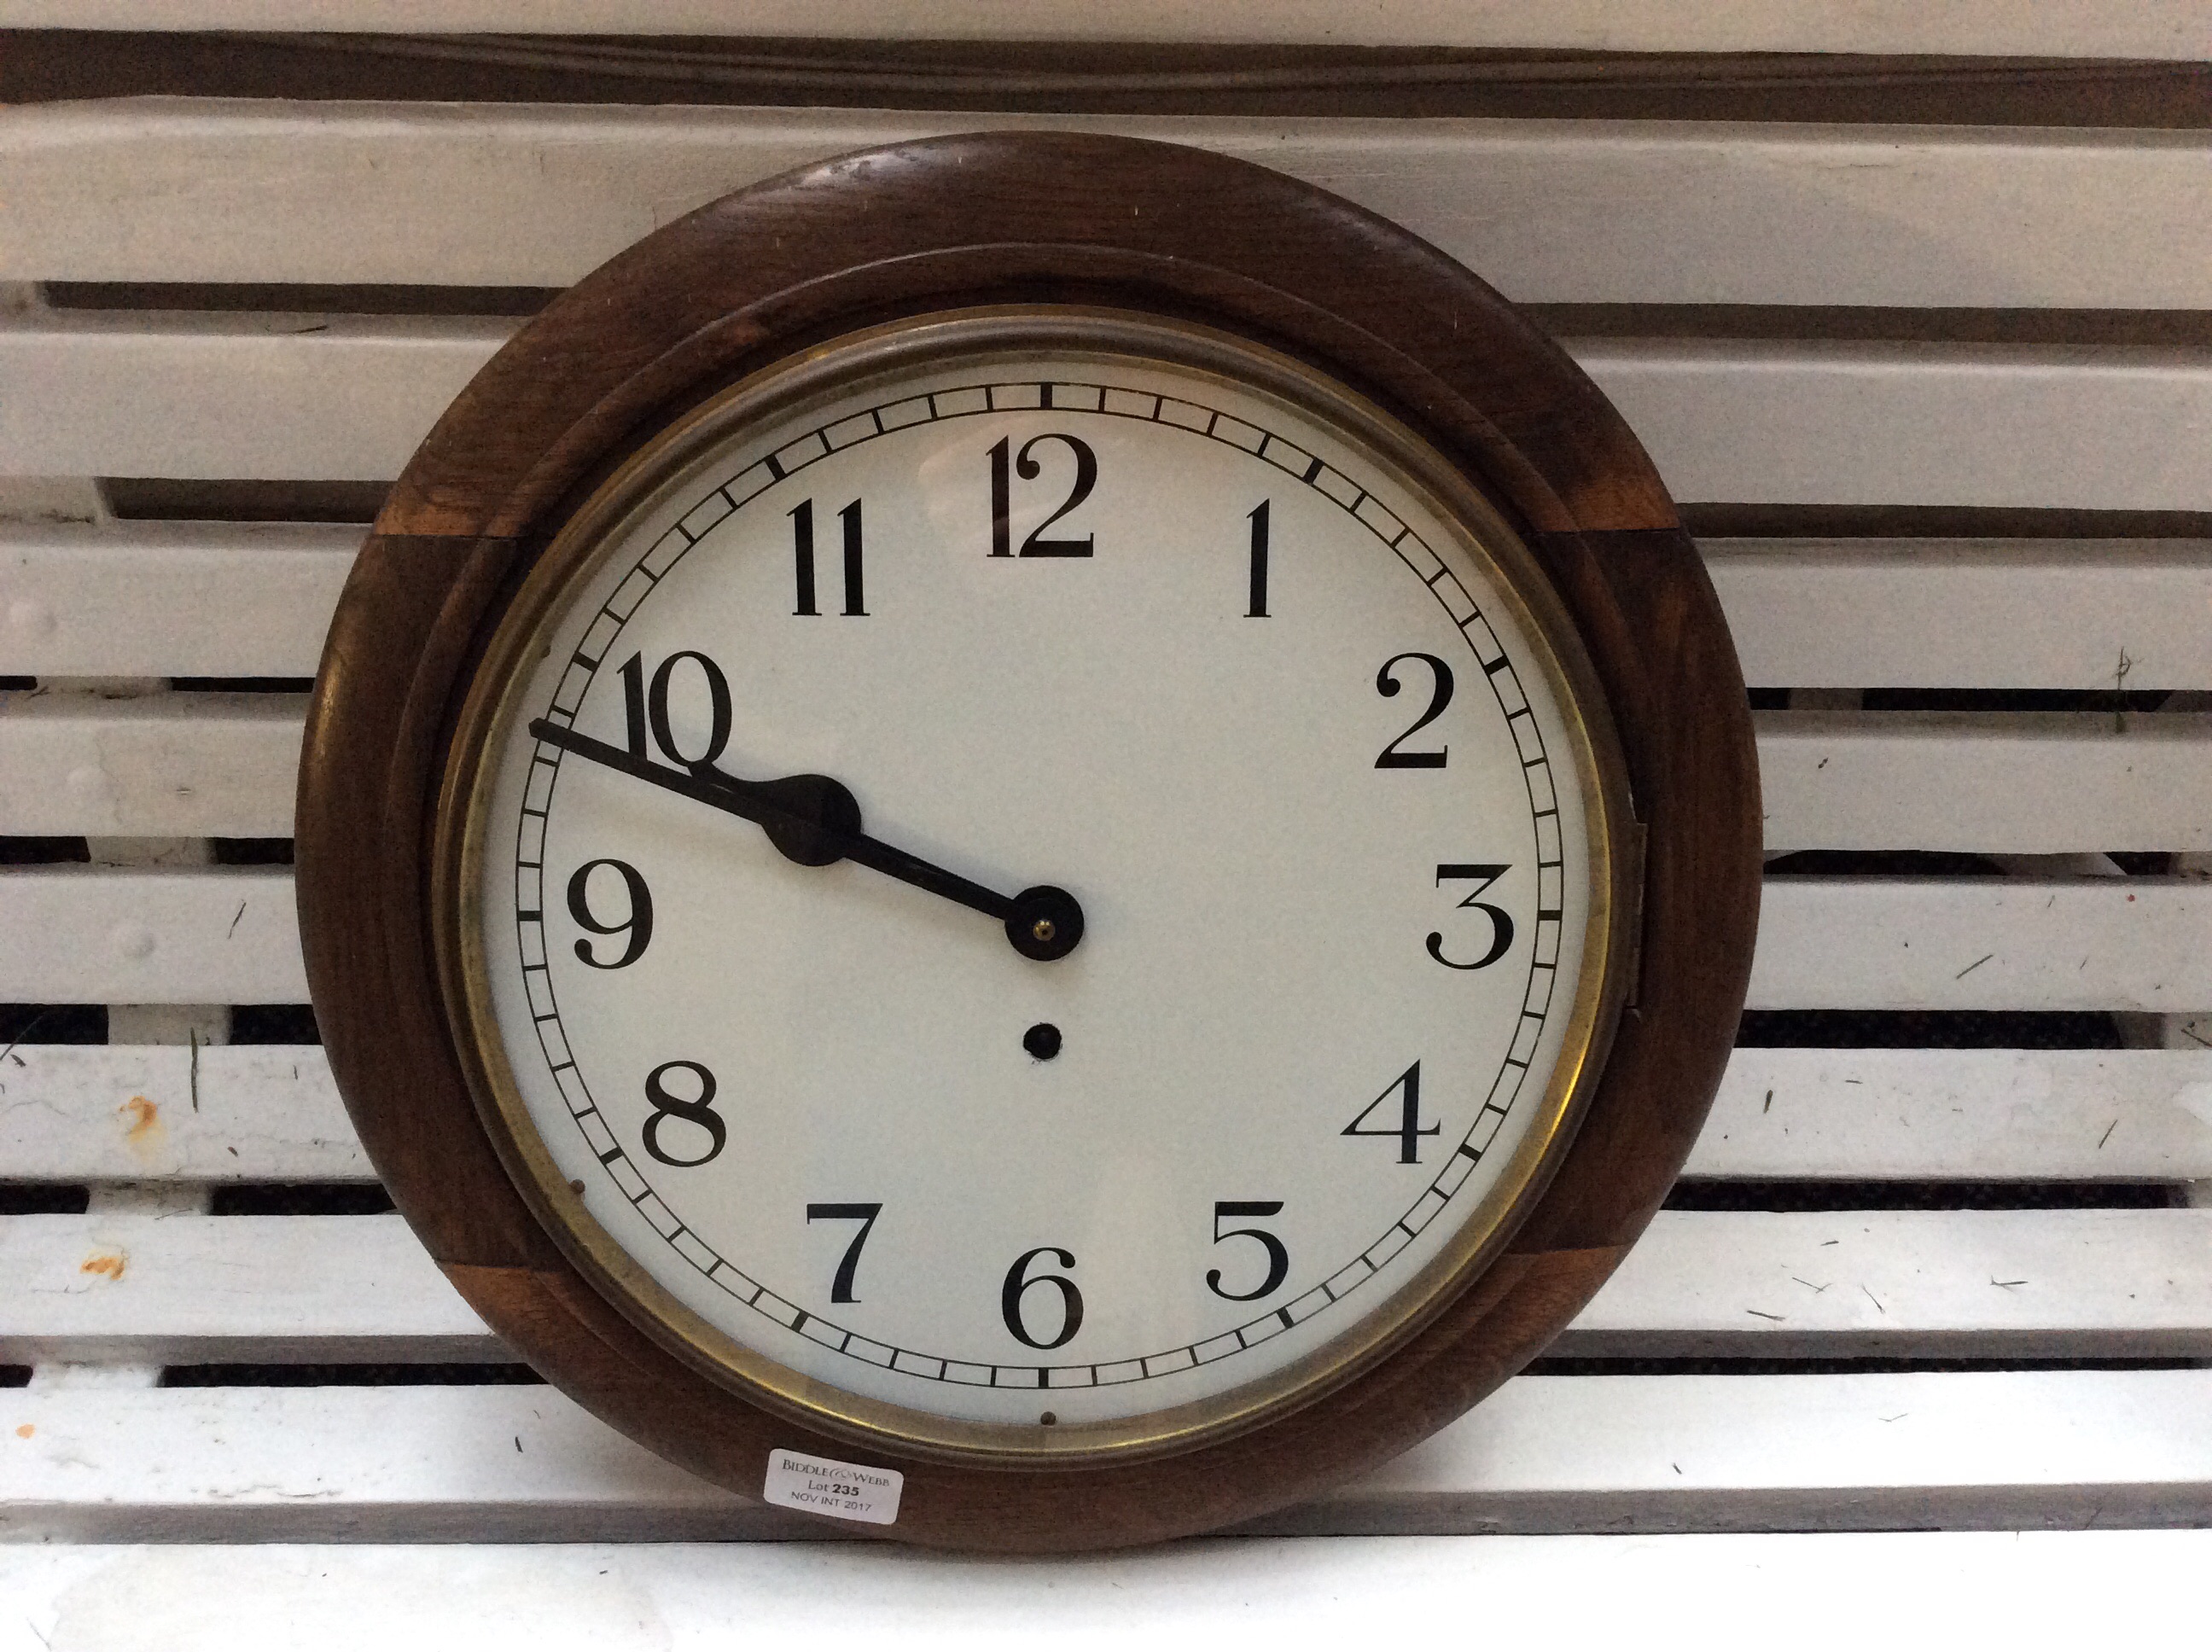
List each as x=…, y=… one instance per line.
x=1279, y=1260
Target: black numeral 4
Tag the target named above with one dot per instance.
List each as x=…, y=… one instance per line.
x=1409, y=1129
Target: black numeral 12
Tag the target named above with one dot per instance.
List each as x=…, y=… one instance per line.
x=1006, y=464
x=802, y=546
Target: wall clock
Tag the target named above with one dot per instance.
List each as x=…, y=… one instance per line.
x=1032, y=840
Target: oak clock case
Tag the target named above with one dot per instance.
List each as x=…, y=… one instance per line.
x=1087, y=891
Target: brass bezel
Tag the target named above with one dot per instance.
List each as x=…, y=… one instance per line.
x=829, y=371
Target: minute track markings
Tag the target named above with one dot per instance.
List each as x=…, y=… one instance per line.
x=1441, y=585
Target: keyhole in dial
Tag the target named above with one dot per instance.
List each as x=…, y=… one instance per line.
x=1041, y=1040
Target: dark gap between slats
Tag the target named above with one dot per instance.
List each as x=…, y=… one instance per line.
x=17, y=685
x=2109, y=701
x=1932, y=324
x=1876, y=1366
x=165, y=499
x=48, y=1024
x=1845, y=1196
x=1721, y=519
x=299, y=1198
x=251, y=850
x=1939, y=1030
x=15, y=1376
x=274, y=1024
x=301, y=298
x=41, y=65
x=346, y=1376
x=242, y=685
x=42, y=851
x=42, y=1198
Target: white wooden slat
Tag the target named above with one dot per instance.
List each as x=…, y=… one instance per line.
x=159, y=1112
x=1979, y=1283
x=1747, y=422
x=2011, y=784
x=331, y=400
x=1543, y=1454
x=1845, y=423
x=1952, y=1588
x=170, y=598
x=165, y=765
x=1975, y=1115
x=107, y=1113
x=72, y=935
x=221, y=599
x=1967, y=614
x=2142, y=28
x=229, y=936
x=213, y=765
x=182, y=1289
x=1873, y=943
x=185, y=1289
x=1546, y=211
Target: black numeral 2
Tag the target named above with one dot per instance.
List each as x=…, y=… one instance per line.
x=1408, y=1130
x=1439, y=696
x=802, y=546
x=1004, y=460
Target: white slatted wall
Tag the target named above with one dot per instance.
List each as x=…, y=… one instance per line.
x=1772, y=1357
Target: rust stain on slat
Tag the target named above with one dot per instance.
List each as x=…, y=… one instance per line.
x=110, y=1263
x=145, y=1119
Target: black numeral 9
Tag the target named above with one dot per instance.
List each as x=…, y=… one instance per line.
x=638, y=925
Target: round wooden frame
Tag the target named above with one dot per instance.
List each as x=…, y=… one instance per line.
x=951, y=224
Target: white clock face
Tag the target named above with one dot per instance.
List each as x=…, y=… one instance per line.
x=1062, y=620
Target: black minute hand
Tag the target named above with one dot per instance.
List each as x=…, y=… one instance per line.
x=815, y=821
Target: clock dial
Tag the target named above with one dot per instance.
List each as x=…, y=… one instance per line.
x=1036, y=895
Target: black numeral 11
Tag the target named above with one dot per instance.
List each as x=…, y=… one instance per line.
x=1259, y=608
x=802, y=541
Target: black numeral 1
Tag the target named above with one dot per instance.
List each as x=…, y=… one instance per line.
x=1409, y=1129
x=802, y=546
x=1259, y=608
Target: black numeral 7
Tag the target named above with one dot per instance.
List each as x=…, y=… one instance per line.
x=840, y=1288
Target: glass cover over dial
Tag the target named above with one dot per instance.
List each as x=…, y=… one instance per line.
x=1037, y=884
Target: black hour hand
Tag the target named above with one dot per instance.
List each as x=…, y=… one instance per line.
x=815, y=821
